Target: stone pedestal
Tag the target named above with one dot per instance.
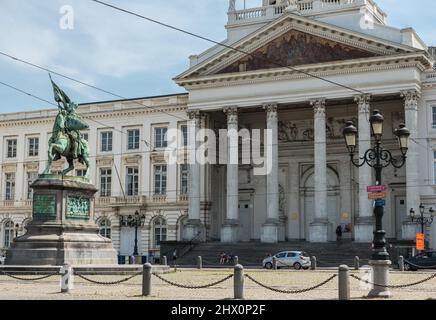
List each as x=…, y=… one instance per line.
x=194, y=229
x=270, y=231
x=318, y=231
x=364, y=230
x=380, y=276
x=62, y=230
x=229, y=231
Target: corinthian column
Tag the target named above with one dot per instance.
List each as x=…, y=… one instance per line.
x=229, y=230
x=269, y=232
x=364, y=227
x=193, y=227
x=318, y=229
x=411, y=99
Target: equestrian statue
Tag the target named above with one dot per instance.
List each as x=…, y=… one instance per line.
x=66, y=140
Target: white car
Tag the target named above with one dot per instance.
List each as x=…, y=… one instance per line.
x=292, y=259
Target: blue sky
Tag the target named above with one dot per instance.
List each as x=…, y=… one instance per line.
x=123, y=54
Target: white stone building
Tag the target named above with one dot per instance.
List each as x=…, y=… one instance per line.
x=127, y=141
x=312, y=187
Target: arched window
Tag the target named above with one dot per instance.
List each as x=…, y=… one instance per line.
x=105, y=228
x=160, y=231
x=8, y=235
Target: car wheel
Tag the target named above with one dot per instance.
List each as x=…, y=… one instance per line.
x=268, y=265
x=297, y=266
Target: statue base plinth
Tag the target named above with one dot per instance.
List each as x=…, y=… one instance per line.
x=63, y=228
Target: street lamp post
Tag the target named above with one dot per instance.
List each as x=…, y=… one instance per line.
x=422, y=219
x=378, y=158
x=135, y=221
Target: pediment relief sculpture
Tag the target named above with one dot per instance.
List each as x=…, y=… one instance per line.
x=296, y=48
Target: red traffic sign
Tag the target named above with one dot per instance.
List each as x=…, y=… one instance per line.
x=376, y=188
x=375, y=196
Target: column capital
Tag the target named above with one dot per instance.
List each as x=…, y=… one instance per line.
x=194, y=114
x=232, y=114
x=270, y=107
x=411, y=98
x=318, y=106
x=363, y=102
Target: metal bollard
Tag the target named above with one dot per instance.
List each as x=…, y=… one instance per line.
x=66, y=278
x=199, y=262
x=274, y=263
x=344, y=282
x=236, y=260
x=313, y=265
x=146, y=279
x=238, y=282
x=164, y=261
x=401, y=263
x=356, y=263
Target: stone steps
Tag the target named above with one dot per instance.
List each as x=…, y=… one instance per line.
x=252, y=254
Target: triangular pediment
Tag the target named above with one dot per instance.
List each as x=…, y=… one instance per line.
x=296, y=48
x=291, y=40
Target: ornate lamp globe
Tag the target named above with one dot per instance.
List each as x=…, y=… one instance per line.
x=421, y=209
x=403, y=135
x=350, y=134
x=412, y=212
x=376, y=121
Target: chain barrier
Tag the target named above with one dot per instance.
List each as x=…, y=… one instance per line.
x=394, y=286
x=108, y=283
x=30, y=279
x=417, y=265
x=193, y=287
x=291, y=291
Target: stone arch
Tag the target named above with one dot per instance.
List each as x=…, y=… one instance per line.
x=308, y=201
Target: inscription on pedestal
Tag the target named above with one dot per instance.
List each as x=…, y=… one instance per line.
x=44, y=206
x=78, y=207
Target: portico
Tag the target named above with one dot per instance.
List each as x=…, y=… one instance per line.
x=334, y=75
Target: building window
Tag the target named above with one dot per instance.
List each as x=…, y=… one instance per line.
x=133, y=139
x=105, y=182
x=105, y=228
x=434, y=166
x=10, y=186
x=31, y=177
x=185, y=135
x=8, y=234
x=132, y=182
x=33, y=147
x=80, y=173
x=106, y=141
x=12, y=148
x=160, y=231
x=184, y=175
x=160, y=137
x=160, y=179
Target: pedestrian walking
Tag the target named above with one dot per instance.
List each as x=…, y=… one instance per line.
x=338, y=233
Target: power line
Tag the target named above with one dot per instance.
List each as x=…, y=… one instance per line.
x=224, y=45
x=85, y=84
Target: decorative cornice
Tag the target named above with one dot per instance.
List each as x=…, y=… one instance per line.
x=341, y=68
x=363, y=102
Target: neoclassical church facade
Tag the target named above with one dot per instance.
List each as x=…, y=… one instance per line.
x=297, y=69
x=302, y=69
